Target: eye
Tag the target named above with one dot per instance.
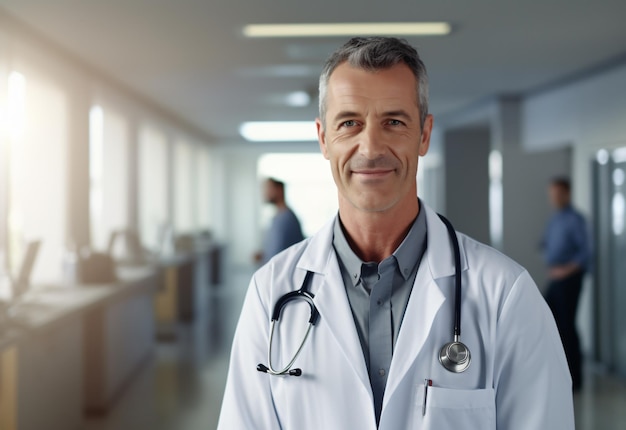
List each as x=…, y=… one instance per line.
x=348, y=123
x=395, y=122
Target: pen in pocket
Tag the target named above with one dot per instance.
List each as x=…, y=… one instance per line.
x=427, y=383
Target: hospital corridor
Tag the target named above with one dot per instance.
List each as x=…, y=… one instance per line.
x=235, y=215
x=181, y=386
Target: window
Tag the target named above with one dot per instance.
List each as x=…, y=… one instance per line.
x=4, y=133
x=108, y=174
x=203, y=188
x=37, y=177
x=153, y=186
x=184, y=153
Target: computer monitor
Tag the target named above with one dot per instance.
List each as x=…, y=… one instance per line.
x=113, y=236
x=21, y=283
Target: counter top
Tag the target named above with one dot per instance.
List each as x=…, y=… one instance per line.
x=44, y=307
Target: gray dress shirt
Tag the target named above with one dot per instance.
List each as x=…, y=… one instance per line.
x=378, y=294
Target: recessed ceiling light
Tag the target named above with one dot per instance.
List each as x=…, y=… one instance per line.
x=348, y=29
x=278, y=131
x=298, y=99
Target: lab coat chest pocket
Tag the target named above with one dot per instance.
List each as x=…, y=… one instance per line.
x=460, y=409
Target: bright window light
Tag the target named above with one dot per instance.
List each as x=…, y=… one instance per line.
x=279, y=131
x=602, y=156
x=16, y=104
x=618, y=207
x=348, y=29
x=496, y=205
x=619, y=155
x=618, y=177
x=96, y=165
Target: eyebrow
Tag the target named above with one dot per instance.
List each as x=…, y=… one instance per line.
x=345, y=114
x=342, y=115
x=399, y=113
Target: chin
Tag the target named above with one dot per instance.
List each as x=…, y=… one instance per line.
x=375, y=206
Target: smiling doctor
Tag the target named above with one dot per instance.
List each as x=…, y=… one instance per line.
x=345, y=329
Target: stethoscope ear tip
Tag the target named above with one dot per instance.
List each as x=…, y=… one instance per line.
x=263, y=368
x=295, y=372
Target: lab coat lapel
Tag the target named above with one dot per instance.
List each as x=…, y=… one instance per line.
x=332, y=302
x=425, y=301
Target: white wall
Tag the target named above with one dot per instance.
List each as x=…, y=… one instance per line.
x=586, y=112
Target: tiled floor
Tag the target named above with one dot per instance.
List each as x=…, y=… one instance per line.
x=601, y=405
x=181, y=387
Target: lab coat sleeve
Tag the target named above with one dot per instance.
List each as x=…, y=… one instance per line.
x=531, y=377
x=248, y=402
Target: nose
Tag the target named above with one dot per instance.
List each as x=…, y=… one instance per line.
x=371, y=142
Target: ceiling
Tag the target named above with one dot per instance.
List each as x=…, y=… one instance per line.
x=190, y=58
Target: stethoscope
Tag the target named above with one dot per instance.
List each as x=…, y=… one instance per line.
x=454, y=356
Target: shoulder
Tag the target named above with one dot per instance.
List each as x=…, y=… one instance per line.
x=287, y=259
x=573, y=214
x=286, y=217
x=493, y=276
x=484, y=258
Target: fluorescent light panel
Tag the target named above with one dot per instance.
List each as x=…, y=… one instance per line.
x=279, y=131
x=348, y=29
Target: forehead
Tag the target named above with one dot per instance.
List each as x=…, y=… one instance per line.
x=350, y=85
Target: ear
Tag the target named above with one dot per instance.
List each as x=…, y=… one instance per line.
x=425, y=138
x=321, y=137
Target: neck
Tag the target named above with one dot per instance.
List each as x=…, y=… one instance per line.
x=281, y=205
x=374, y=236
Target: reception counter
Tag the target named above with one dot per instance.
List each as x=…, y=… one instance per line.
x=67, y=350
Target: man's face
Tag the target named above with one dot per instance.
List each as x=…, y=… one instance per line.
x=271, y=192
x=559, y=196
x=372, y=136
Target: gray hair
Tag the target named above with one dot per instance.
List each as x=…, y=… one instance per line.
x=377, y=53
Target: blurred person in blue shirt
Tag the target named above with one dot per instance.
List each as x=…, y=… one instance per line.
x=567, y=253
x=285, y=229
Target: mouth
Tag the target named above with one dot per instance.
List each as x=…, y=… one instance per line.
x=372, y=173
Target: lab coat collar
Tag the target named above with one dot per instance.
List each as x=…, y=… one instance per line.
x=424, y=303
x=439, y=251
x=332, y=302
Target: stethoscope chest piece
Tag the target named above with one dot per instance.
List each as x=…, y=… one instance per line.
x=455, y=357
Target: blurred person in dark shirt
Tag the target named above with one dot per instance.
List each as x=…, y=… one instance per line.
x=566, y=254
x=285, y=229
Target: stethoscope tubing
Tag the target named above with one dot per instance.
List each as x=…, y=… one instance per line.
x=287, y=368
x=457, y=277
x=301, y=294
x=448, y=360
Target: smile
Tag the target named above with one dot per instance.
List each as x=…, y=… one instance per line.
x=373, y=174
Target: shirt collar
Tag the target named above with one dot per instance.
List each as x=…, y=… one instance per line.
x=406, y=255
x=347, y=257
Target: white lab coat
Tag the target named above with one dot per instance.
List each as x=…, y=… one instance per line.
x=518, y=377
